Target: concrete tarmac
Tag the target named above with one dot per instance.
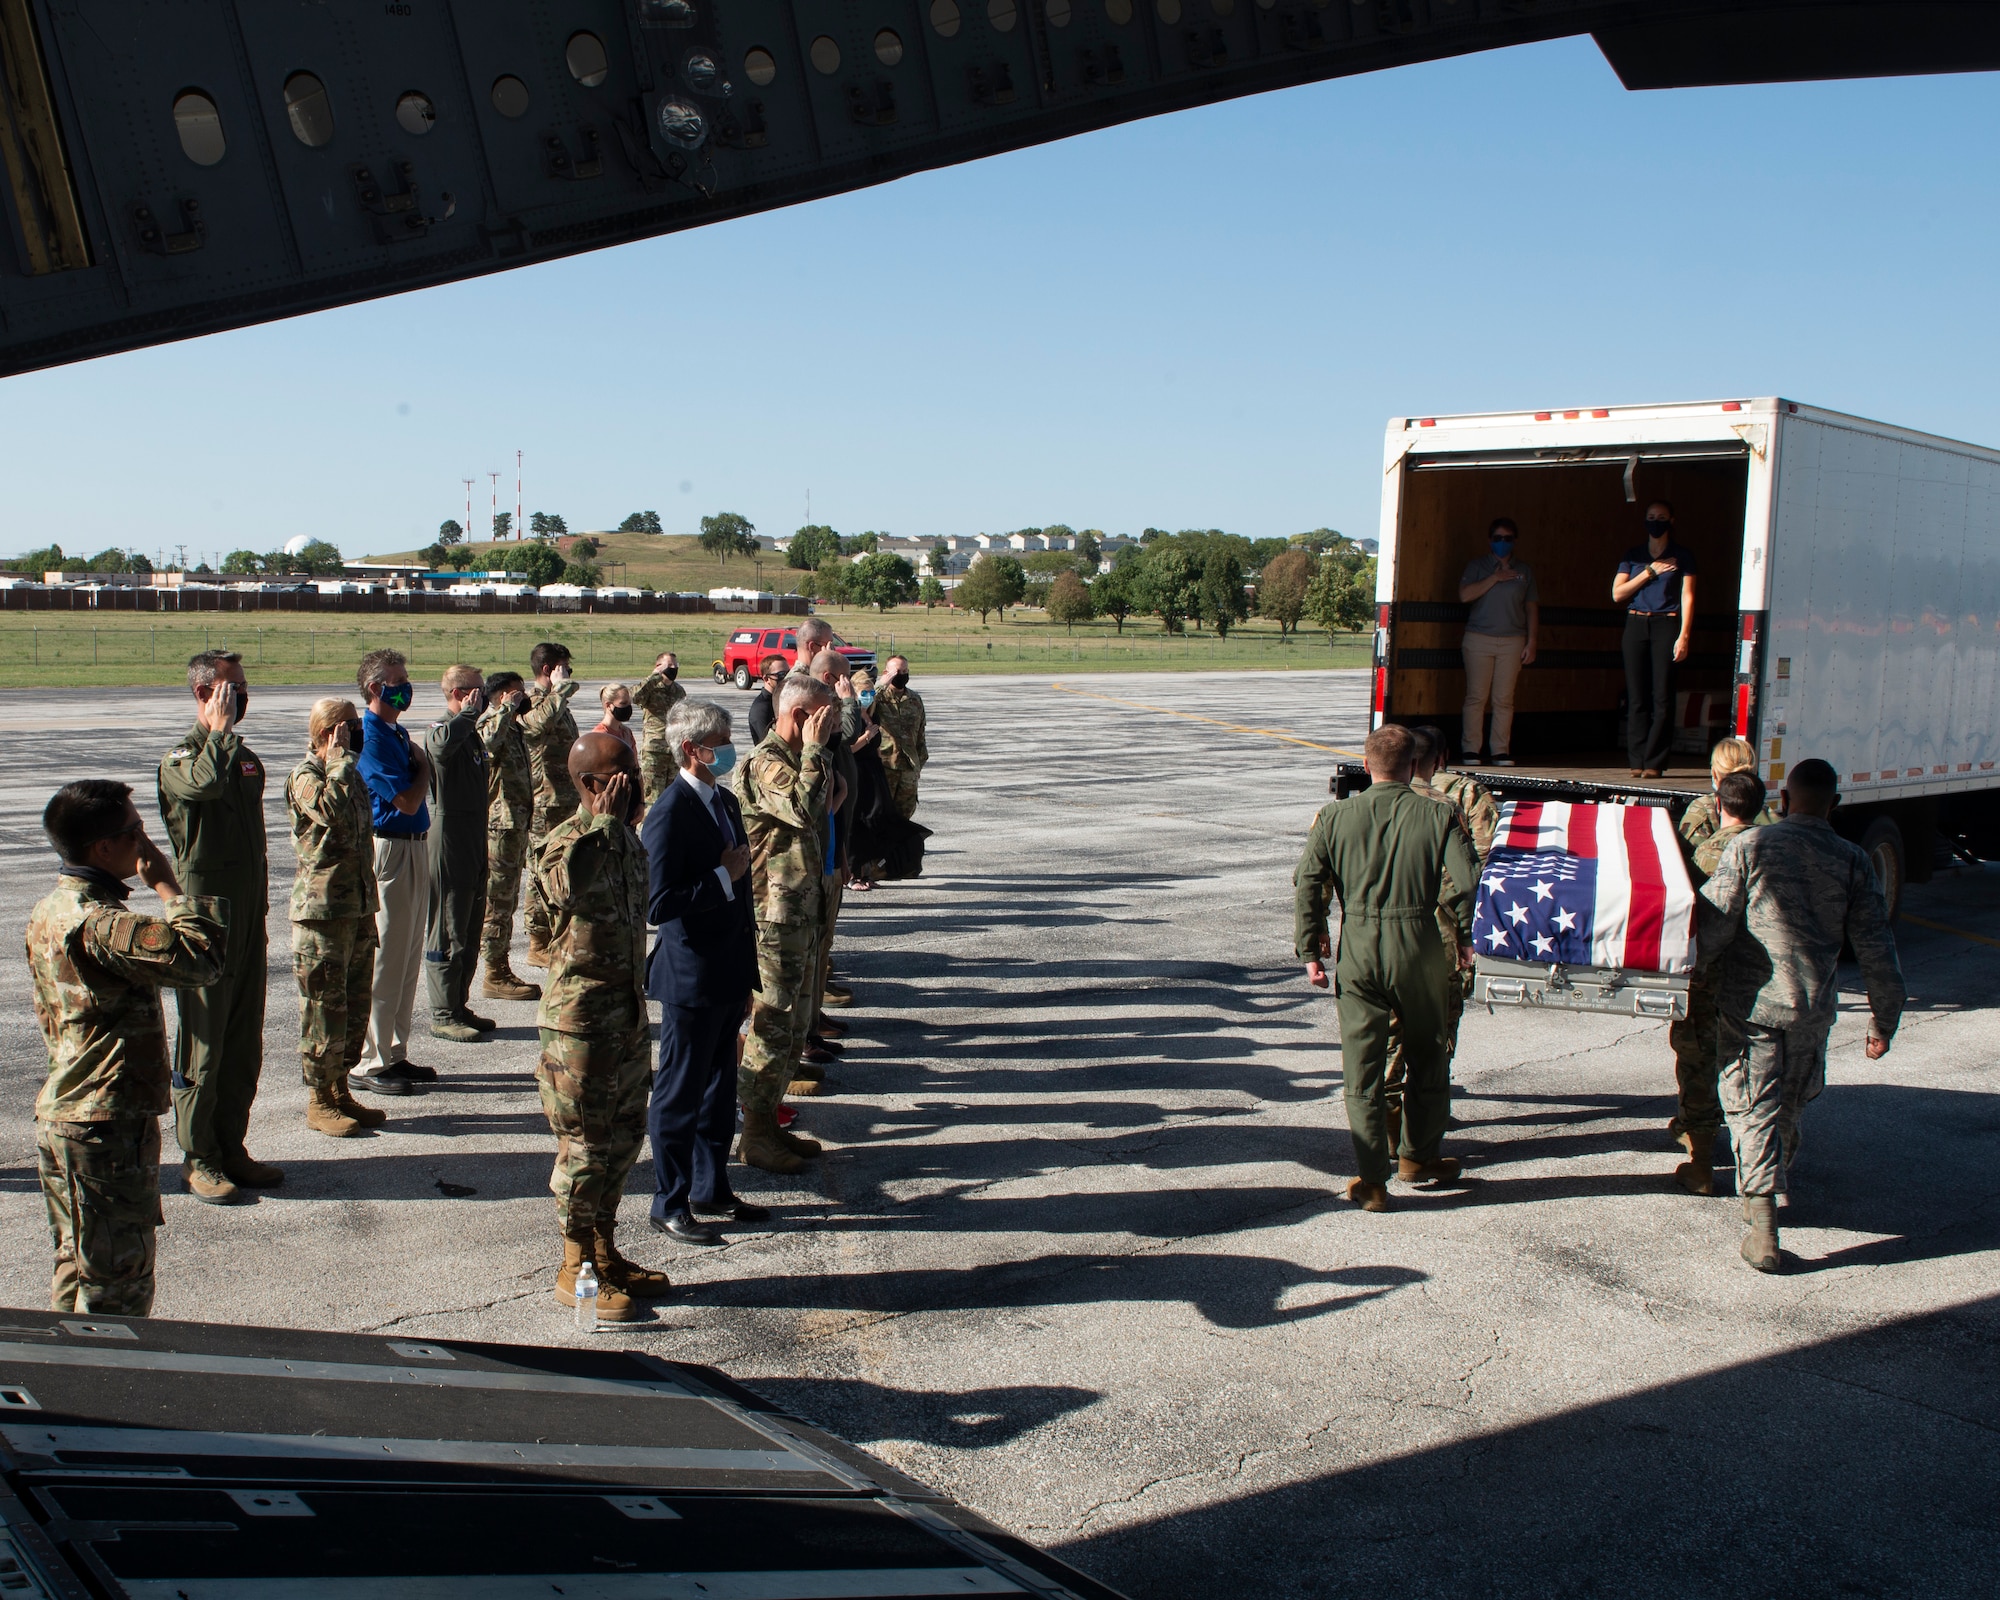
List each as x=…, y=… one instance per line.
x=1077, y=1253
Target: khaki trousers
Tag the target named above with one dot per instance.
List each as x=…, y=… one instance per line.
x=1492, y=668
x=403, y=881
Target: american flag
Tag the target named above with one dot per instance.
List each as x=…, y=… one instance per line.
x=1586, y=886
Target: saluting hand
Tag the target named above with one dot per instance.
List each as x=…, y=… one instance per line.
x=613, y=797
x=218, y=711
x=156, y=874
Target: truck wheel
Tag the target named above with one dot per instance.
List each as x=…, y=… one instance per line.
x=742, y=674
x=721, y=673
x=1884, y=843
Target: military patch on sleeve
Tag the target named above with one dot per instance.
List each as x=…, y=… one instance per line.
x=155, y=937
x=176, y=757
x=250, y=769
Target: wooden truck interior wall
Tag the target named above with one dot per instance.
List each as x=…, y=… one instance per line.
x=1575, y=525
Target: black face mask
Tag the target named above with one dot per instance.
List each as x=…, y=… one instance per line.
x=350, y=734
x=901, y=680
x=672, y=673
x=1658, y=529
x=621, y=713
x=242, y=694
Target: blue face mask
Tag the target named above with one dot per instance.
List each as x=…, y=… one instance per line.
x=721, y=759
x=399, y=698
x=866, y=697
x=1502, y=547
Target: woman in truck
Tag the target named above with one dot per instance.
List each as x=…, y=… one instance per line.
x=1505, y=615
x=1655, y=585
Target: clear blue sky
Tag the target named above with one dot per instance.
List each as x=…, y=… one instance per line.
x=1199, y=320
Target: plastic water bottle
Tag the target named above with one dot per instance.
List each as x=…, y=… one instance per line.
x=586, y=1298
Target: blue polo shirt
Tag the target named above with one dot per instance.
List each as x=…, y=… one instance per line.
x=386, y=768
x=1661, y=597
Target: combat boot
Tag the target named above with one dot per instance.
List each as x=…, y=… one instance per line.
x=455, y=1031
x=367, y=1116
x=323, y=1113
x=1444, y=1169
x=247, y=1172
x=799, y=1144
x=808, y=1078
x=1369, y=1196
x=1760, y=1244
x=538, y=953
x=764, y=1147
x=836, y=994
x=501, y=984
x=1697, y=1173
x=208, y=1186
x=613, y=1303
x=641, y=1283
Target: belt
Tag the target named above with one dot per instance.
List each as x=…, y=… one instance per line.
x=413, y=838
x=1673, y=613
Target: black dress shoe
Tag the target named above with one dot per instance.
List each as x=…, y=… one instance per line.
x=820, y=1042
x=682, y=1226
x=411, y=1072
x=735, y=1210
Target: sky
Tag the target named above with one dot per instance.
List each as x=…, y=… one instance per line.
x=1200, y=320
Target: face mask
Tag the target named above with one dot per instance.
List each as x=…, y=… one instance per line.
x=241, y=696
x=1657, y=529
x=1502, y=547
x=621, y=713
x=350, y=734
x=721, y=759
x=900, y=680
x=866, y=697
x=399, y=697
x=672, y=673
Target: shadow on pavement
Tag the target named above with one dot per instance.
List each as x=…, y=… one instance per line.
x=1863, y=1465
x=972, y=1420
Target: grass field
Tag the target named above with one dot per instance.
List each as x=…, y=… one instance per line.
x=76, y=649
x=674, y=562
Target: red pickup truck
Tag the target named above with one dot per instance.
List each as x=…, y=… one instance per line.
x=749, y=648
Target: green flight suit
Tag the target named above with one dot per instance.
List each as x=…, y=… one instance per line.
x=211, y=789
x=1394, y=858
x=460, y=762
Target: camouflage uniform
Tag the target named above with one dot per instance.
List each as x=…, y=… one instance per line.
x=1693, y=1037
x=658, y=695
x=596, y=1065
x=548, y=730
x=510, y=808
x=98, y=969
x=1393, y=857
x=784, y=798
x=1773, y=918
x=333, y=915
x=1478, y=814
x=899, y=713
x=1704, y=816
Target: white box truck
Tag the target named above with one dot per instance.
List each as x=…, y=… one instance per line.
x=1847, y=604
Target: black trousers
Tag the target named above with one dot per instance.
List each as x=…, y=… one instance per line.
x=692, y=1114
x=1649, y=688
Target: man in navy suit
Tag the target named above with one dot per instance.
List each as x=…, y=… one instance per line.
x=703, y=967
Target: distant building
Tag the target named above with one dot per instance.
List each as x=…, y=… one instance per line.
x=397, y=574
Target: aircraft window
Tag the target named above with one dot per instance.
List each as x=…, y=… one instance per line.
x=415, y=113
x=200, y=126
x=825, y=55
x=510, y=96
x=587, y=62
x=1057, y=12
x=681, y=125
x=759, y=66
x=1119, y=11
x=1001, y=14
x=310, y=110
x=944, y=17
x=1169, y=10
x=888, y=47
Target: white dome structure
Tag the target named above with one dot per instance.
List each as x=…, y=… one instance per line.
x=297, y=542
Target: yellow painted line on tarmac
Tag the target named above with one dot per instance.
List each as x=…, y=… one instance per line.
x=1282, y=735
x=1945, y=927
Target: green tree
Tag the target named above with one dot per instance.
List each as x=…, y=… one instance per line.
x=320, y=559
x=1281, y=593
x=985, y=587
x=861, y=544
x=829, y=582
x=1169, y=583
x=939, y=560
x=36, y=562
x=1069, y=601
x=242, y=564
x=546, y=525
x=931, y=593
x=449, y=532
x=1342, y=598
x=1013, y=581
x=503, y=524
x=534, y=562
x=584, y=574
x=1113, y=594
x=1220, y=600
x=881, y=580
x=642, y=522
x=811, y=545
x=1263, y=552
x=728, y=534
x=432, y=556
x=1090, y=548
x=461, y=558
x=1318, y=541
x=1049, y=562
